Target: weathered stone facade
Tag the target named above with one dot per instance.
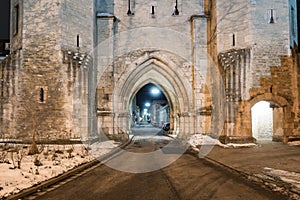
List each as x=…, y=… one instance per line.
x=76, y=65
x=258, y=66
x=43, y=72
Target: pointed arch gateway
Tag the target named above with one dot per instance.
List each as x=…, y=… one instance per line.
x=171, y=81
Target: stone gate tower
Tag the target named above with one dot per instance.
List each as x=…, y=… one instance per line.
x=158, y=42
x=254, y=45
x=76, y=65
x=45, y=84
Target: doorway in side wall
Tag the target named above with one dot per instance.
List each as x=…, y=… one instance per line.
x=262, y=121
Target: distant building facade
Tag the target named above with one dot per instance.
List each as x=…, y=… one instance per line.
x=159, y=113
x=74, y=70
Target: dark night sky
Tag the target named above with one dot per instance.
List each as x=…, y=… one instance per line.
x=144, y=95
x=4, y=19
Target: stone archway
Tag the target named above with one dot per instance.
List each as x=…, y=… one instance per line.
x=156, y=67
x=281, y=109
x=168, y=78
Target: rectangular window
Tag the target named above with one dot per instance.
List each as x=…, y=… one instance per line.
x=15, y=20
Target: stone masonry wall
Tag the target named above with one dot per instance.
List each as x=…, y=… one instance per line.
x=77, y=38
x=78, y=19
x=262, y=28
x=250, y=24
x=16, y=38
x=48, y=85
x=121, y=37
x=42, y=70
x=41, y=82
x=270, y=40
x=234, y=25
x=7, y=92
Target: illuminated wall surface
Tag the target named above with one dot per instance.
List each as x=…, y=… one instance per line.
x=262, y=121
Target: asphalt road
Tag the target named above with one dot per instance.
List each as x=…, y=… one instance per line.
x=186, y=178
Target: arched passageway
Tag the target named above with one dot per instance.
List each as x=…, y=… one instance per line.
x=153, y=72
x=262, y=121
x=152, y=69
x=270, y=117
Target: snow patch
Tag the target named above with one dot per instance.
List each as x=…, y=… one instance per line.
x=292, y=178
x=239, y=145
x=294, y=143
x=54, y=160
x=98, y=149
x=200, y=139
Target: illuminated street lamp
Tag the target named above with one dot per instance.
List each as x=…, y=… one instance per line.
x=155, y=91
x=147, y=104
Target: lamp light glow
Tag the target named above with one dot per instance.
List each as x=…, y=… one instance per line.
x=155, y=91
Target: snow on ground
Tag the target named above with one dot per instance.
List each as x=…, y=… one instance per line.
x=98, y=149
x=52, y=161
x=294, y=143
x=200, y=139
x=293, y=178
x=232, y=145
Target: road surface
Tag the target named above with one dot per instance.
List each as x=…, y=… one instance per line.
x=186, y=178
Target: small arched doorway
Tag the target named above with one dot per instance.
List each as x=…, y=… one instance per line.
x=262, y=121
x=281, y=115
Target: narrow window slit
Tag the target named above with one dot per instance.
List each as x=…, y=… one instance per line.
x=176, y=11
x=152, y=10
x=129, y=8
x=42, y=95
x=233, y=40
x=272, y=21
x=77, y=40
